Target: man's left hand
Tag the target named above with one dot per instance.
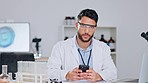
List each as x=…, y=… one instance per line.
x=91, y=75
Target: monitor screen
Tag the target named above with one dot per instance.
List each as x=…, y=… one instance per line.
x=14, y=37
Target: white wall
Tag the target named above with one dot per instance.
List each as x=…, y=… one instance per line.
x=46, y=18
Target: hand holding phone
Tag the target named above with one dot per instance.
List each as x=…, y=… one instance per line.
x=83, y=67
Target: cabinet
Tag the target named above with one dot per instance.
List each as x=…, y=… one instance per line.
x=108, y=31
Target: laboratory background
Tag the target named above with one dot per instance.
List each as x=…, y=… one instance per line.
x=51, y=21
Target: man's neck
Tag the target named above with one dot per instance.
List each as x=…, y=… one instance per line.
x=83, y=45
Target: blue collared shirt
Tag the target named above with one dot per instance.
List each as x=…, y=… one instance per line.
x=85, y=55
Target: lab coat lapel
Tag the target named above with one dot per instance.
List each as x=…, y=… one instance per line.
x=75, y=54
x=95, y=57
x=74, y=50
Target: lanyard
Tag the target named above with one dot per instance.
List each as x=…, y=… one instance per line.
x=82, y=57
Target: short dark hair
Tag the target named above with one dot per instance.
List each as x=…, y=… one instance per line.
x=88, y=13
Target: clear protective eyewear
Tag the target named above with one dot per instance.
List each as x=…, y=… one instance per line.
x=87, y=25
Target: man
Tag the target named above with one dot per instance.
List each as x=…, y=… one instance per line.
x=82, y=50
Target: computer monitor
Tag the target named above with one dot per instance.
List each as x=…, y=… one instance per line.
x=14, y=37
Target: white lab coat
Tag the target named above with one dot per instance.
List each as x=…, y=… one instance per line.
x=65, y=58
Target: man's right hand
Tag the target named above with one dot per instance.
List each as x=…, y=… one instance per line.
x=74, y=74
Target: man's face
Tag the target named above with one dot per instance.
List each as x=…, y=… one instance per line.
x=86, y=28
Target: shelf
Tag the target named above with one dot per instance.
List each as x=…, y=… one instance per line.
x=70, y=31
x=108, y=31
x=107, y=27
x=113, y=53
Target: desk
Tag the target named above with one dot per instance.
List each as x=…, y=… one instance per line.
x=41, y=59
x=118, y=81
x=86, y=82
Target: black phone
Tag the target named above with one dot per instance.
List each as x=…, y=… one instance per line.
x=83, y=67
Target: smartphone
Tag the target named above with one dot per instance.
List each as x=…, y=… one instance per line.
x=83, y=67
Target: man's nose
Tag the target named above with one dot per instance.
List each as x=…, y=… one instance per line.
x=86, y=29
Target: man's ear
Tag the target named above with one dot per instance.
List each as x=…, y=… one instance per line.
x=77, y=26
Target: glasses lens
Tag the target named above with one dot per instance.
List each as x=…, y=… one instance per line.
x=87, y=25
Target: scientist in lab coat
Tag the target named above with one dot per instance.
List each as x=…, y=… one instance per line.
x=82, y=49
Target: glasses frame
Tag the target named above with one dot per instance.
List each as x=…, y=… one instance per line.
x=87, y=25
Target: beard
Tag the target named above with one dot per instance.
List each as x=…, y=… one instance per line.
x=81, y=38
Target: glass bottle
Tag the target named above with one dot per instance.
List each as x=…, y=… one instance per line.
x=102, y=39
x=73, y=20
x=66, y=22
x=111, y=43
x=4, y=77
x=65, y=38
